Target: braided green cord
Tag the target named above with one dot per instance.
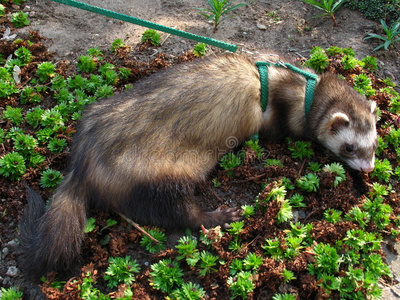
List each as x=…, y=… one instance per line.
x=126, y=18
x=262, y=69
x=310, y=86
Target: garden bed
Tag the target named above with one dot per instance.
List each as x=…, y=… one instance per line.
x=305, y=236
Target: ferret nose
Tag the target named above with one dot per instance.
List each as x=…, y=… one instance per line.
x=368, y=169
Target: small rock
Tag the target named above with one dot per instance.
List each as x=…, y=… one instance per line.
x=299, y=215
x=7, y=281
x=396, y=290
x=5, y=252
x=390, y=292
x=12, y=271
x=261, y=26
x=393, y=260
x=389, y=74
x=12, y=244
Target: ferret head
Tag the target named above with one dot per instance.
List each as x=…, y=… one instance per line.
x=348, y=129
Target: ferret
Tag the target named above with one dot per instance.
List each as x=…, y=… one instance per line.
x=141, y=153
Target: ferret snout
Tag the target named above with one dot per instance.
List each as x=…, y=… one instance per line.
x=368, y=169
x=366, y=166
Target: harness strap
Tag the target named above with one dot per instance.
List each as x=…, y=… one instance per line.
x=310, y=86
x=263, y=70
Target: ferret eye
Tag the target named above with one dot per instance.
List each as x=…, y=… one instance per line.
x=349, y=148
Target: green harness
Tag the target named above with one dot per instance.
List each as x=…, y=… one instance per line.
x=310, y=86
x=311, y=82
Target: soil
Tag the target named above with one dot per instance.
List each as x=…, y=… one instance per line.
x=261, y=26
x=283, y=26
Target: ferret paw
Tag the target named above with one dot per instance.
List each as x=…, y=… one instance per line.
x=222, y=217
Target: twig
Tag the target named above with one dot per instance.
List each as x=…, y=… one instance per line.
x=167, y=37
x=251, y=178
x=256, y=238
x=216, y=196
x=301, y=56
x=302, y=166
x=155, y=52
x=300, y=171
x=310, y=214
x=137, y=226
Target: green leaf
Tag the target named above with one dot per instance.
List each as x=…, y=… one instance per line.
x=337, y=5
x=314, y=3
x=90, y=225
x=384, y=25
x=233, y=8
x=375, y=36
x=387, y=44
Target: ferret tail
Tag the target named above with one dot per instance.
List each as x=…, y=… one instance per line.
x=51, y=239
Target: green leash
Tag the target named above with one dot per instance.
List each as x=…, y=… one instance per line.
x=126, y=18
x=310, y=86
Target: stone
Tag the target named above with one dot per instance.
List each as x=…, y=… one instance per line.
x=12, y=271
x=261, y=26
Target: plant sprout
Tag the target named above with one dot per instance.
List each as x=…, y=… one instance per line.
x=151, y=36
x=121, y=270
x=391, y=33
x=189, y=291
x=328, y=6
x=199, y=49
x=12, y=293
x=20, y=19
x=165, y=275
x=12, y=165
x=50, y=178
x=149, y=243
x=219, y=8
x=241, y=285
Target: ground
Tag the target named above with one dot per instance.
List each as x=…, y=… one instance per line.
x=284, y=26
x=261, y=26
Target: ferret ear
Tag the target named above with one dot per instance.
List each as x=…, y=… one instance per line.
x=338, y=120
x=373, y=106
